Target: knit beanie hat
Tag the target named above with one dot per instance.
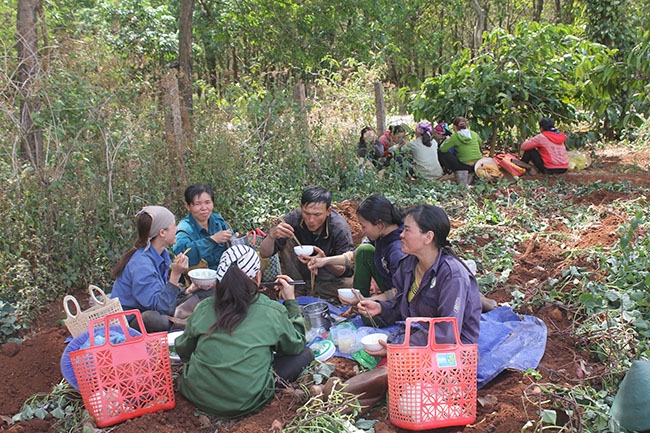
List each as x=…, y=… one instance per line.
x=246, y=258
x=161, y=218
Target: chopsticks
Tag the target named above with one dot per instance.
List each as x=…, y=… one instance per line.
x=372, y=321
x=177, y=258
x=294, y=235
x=275, y=283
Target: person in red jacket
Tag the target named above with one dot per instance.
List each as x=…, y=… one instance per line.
x=546, y=150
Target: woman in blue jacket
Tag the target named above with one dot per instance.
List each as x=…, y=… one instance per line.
x=145, y=277
x=432, y=281
x=202, y=230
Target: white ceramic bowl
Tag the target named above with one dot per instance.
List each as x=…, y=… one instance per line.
x=347, y=294
x=203, y=277
x=371, y=341
x=306, y=250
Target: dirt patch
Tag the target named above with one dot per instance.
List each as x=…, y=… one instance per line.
x=348, y=209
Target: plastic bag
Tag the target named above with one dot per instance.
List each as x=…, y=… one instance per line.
x=487, y=169
x=578, y=160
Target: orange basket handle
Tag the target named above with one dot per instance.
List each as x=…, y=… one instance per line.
x=121, y=318
x=253, y=236
x=432, y=329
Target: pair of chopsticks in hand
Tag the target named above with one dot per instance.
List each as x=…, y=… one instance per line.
x=372, y=321
x=313, y=275
x=184, y=253
x=275, y=283
x=294, y=235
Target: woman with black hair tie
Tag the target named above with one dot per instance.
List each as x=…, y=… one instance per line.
x=431, y=282
x=369, y=150
x=236, y=342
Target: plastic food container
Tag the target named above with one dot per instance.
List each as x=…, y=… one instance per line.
x=323, y=349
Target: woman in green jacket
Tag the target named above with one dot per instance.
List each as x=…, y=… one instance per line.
x=467, y=146
x=235, y=340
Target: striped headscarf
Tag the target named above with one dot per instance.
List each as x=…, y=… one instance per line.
x=246, y=258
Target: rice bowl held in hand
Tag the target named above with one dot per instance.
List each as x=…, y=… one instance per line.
x=371, y=342
x=347, y=294
x=203, y=278
x=303, y=250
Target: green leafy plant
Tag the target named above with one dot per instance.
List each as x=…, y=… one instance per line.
x=64, y=403
x=9, y=324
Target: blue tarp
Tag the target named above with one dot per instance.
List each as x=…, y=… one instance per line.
x=507, y=340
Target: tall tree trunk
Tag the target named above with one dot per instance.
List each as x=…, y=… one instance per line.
x=481, y=19
x=174, y=127
x=539, y=6
x=185, y=68
x=28, y=74
x=380, y=109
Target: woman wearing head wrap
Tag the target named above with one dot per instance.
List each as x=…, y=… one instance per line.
x=236, y=341
x=145, y=277
x=424, y=152
x=441, y=132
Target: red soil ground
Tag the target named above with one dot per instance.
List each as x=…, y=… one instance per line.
x=33, y=365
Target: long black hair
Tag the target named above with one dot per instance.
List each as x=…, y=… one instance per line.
x=377, y=208
x=426, y=138
x=143, y=226
x=233, y=296
x=363, y=132
x=396, y=129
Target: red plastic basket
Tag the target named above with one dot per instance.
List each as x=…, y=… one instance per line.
x=123, y=381
x=432, y=386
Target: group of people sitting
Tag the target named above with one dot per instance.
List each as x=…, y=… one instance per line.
x=238, y=339
x=437, y=150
